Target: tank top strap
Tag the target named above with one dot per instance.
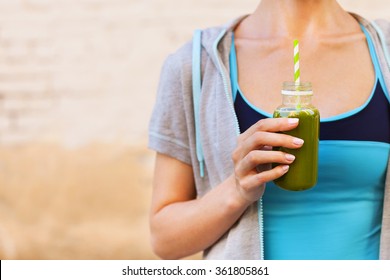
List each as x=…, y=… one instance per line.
x=375, y=61
x=233, y=70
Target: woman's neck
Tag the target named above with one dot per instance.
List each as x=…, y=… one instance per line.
x=296, y=19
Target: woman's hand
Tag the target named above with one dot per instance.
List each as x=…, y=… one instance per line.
x=253, y=155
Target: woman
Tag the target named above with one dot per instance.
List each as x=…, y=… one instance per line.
x=235, y=211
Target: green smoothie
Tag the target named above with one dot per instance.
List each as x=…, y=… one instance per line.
x=302, y=174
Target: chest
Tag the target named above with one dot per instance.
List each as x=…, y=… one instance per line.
x=342, y=75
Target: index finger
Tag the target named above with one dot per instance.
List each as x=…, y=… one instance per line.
x=271, y=125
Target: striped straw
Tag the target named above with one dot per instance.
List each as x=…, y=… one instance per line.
x=297, y=74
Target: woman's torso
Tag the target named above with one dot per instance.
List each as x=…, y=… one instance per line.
x=340, y=217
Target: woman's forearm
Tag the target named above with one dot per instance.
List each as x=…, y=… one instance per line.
x=184, y=228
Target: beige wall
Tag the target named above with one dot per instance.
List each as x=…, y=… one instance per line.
x=77, y=84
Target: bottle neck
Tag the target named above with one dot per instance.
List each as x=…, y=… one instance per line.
x=297, y=94
x=295, y=99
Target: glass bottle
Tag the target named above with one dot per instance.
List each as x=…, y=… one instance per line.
x=302, y=174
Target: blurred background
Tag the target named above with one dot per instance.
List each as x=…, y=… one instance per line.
x=78, y=80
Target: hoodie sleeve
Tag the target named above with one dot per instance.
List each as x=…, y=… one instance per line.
x=168, y=131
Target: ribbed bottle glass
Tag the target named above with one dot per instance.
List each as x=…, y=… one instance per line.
x=302, y=174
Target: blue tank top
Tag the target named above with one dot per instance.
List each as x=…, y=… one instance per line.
x=340, y=218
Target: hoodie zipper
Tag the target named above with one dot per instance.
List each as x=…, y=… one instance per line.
x=224, y=80
x=226, y=89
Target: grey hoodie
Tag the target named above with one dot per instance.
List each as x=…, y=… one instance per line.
x=172, y=131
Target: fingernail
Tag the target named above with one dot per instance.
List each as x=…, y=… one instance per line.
x=292, y=120
x=298, y=141
x=290, y=157
x=285, y=168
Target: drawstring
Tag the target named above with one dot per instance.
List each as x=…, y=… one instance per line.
x=196, y=91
